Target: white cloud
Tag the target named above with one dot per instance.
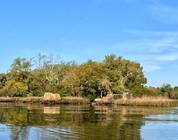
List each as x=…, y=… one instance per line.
x=167, y=57
x=152, y=49
x=151, y=43
x=151, y=68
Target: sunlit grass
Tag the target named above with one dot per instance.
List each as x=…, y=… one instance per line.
x=147, y=101
x=74, y=100
x=22, y=99
x=65, y=100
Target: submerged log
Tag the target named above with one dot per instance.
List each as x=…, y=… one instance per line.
x=51, y=110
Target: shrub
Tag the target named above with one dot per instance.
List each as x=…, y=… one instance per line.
x=15, y=88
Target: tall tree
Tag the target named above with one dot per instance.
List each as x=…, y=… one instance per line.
x=16, y=84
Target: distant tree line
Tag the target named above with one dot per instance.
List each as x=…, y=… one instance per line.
x=43, y=74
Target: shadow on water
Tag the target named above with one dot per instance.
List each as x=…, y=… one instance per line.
x=69, y=122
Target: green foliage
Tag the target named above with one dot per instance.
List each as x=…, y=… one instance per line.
x=91, y=79
x=150, y=91
x=92, y=97
x=113, y=75
x=64, y=93
x=36, y=83
x=15, y=88
x=123, y=74
x=16, y=80
x=166, y=89
x=20, y=69
x=3, y=80
x=90, y=75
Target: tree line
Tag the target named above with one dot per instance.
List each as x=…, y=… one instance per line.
x=43, y=74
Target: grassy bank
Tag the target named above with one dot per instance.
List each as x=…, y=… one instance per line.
x=143, y=101
x=147, y=101
x=22, y=99
x=64, y=100
x=74, y=100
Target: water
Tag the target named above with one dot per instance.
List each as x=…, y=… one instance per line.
x=72, y=122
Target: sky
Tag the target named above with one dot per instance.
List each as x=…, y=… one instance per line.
x=145, y=31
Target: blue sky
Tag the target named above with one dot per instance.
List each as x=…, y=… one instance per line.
x=145, y=31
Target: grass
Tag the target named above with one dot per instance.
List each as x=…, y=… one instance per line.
x=22, y=99
x=75, y=100
x=142, y=101
x=65, y=100
x=147, y=101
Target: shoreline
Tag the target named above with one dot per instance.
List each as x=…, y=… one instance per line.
x=143, y=101
x=147, y=101
x=41, y=100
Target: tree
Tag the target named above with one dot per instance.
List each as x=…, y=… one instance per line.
x=15, y=88
x=3, y=80
x=20, y=69
x=94, y=80
x=16, y=84
x=90, y=79
x=71, y=84
x=123, y=74
x=166, y=89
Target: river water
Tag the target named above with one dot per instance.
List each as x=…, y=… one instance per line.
x=84, y=122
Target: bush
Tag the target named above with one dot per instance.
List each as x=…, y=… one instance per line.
x=64, y=93
x=2, y=93
x=92, y=97
x=15, y=88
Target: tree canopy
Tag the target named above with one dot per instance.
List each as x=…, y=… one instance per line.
x=90, y=79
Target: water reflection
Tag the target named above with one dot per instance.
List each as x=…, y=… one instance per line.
x=51, y=110
x=162, y=126
x=68, y=122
